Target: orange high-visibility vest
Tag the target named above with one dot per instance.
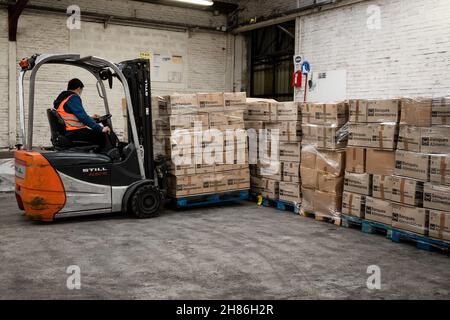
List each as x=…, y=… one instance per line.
x=71, y=121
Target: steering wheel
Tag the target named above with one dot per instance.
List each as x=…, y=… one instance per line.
x=103, y=118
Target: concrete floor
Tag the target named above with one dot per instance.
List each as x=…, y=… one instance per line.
x=234, y=252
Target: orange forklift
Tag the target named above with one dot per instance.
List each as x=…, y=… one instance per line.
x=73, y=178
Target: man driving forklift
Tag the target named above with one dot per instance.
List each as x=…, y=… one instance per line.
x=79, y=125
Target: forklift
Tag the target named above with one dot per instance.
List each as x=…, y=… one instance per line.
x=73, y=178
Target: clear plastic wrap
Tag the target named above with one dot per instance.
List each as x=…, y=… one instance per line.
x=329, y=137
x=322, y=176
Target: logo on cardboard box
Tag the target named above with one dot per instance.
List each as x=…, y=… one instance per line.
x=426, y=142
x=398, y=164
x=371, y=112
x=427, y=197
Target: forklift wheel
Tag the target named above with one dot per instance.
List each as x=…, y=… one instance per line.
x=146, y=202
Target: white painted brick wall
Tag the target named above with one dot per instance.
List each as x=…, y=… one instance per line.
x=408, y=56
x=140, y=10
x=205, y=70
x=3, y=78
x=266, y=8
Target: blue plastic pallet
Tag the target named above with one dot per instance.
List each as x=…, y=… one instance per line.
x=210, y=200
x=369, y=227
x=422, y=242
x=282, y=205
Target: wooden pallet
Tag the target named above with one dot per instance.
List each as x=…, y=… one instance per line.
x=210, y=199
x=422, y=242
x=321, y=217
x=366, y=226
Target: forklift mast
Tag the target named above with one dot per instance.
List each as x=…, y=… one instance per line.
x=137, y=73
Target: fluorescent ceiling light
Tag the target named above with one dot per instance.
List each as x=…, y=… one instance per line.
x=199, y=2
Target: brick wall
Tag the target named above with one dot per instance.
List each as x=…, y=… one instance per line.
x=3, y=78
x=206, y=56
x=408, y=56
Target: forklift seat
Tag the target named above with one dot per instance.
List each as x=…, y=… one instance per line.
x=58, y=138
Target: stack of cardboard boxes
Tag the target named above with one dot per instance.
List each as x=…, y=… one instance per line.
x=421, y=185
x=202, y=136
x=324, y=129
x=373, y=137
x=274, y=130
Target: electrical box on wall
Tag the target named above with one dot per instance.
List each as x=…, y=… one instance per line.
x=327, y=86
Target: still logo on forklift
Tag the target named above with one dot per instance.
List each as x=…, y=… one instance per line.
x=95, y=172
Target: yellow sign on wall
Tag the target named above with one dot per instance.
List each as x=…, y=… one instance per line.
x=145, y=55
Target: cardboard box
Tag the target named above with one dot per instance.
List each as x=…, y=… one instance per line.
x=354, y=204
x=168, y=125
x=360, y=135
x=290, y=192
x=439, y=227
x=356, y=160
x=378, y=210
x=435, y=140
x=256, y=125
x=324, y=137
x=374, y=111
x=307, y=112
x=426, y=112
x=436, y=197
x=289, y=131
x=291, y=172
x=379, y=136
x=409, y=138
x=412, y=165
x=308, y=196
x=261, y=111
x=309, y=177
x=360, y=183
x=175, y=104
x=290, y=152
x=440, y=114
x=270, y=189
x=382, y=187
x=385, y=136
x=410, y=219
x=407, y=191
x=235, y=101
x=335, y=114
x=272, y=173
x=289, y=111
x=308, y=157
x=331, y=162
x=181, y=170
x=181, y=186
x=440, y=169
x=211, y=102
x=327, y=204
x=330, y=184
x=380, y=162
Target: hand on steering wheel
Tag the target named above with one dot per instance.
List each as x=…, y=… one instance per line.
x=103, y=118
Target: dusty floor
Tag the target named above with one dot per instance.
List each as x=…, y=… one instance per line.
x=234, y=252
